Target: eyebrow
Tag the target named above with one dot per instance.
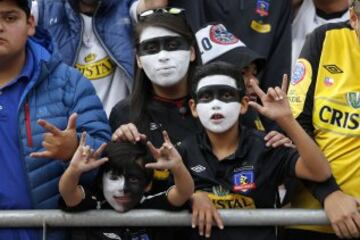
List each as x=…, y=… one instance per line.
x=9, y=12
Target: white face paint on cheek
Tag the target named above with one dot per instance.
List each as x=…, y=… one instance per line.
x=113, y=188
x=217, y=116
x=165, y=68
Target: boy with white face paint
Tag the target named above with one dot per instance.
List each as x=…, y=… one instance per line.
x=124, y=177
x=230, y=163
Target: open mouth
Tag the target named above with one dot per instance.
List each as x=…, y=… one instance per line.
x=165, y=69
x=217, y=116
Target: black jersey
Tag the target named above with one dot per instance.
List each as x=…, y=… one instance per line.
x=92, y=201
x=249, y=178
x=162, y=115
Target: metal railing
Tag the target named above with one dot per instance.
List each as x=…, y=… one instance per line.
x=152, y=218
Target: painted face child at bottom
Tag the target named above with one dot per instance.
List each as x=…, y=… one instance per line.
x=124, y=177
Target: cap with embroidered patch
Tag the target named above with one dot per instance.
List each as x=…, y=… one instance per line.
x=216, y=43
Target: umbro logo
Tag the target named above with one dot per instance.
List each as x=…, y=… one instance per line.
x=154, y=126
x=198, y=169
x=333, y=69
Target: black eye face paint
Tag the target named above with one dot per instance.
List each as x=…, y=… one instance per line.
x=124, y=189
x=223, y=93
x=155, y=45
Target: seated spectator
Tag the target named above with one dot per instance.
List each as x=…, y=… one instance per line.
x=123, y=178
x=36, y=87
x=230, y=164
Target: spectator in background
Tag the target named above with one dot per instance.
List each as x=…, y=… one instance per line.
x=95, y=37
x=311, y=14
x=324, y=97
x=263, y=25
x=34, y=85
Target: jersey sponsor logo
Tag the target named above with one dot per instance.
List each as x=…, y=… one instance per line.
x=260, y=27
x=161, y=174
x=198, y=168
x=333, y=69
x=220, y=35
x=243, y=181
x=223, y=199
x=262, y=7
x=353, y=99
x=339, y=119
x=97, y=70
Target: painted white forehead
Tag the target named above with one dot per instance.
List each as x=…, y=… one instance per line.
x=155, y=32
x=216, y=80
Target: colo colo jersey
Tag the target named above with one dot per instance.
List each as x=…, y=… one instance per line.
x=246, y=179
x=174, y=117
x=324, y=94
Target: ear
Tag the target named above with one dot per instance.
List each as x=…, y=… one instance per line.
x=138, y=61
x=31, y=24
x=193, y=54
x=244, y=105
x=192, y=105
x=353, y=18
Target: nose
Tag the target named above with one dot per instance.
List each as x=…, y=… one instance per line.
x=215, y=105
x=163, y=56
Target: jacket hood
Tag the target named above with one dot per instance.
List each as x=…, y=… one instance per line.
x=104, y=4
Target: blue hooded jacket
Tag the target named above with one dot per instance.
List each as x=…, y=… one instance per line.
x=54, y=92
x=112, y=27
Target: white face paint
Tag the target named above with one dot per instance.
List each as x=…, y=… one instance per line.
x=165, y=68
x=113, y=190
x=217, y=116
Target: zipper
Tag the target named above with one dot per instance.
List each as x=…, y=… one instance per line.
x=28, y=124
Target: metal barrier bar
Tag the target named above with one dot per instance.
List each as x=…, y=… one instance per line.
x=57, y=218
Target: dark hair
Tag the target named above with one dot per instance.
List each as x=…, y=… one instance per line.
x=121, y=156
x=25, y=5
x=142, y=89
x=218, y=68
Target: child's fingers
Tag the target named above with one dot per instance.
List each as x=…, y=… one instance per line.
x=257, y=89
x=100, y=150
x=285, y=83
x=99, y=162
x=166, y=137
x=256, y=106
x=218, y=220
x=194, y=218
x=154, y=165
x=154, y=152
x=201, y=223
x=279, y=93
x=272, y=93
x=208, y=225
x=82, y=139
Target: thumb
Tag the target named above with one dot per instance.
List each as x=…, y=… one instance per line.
x=256, y=106
x=72, y=121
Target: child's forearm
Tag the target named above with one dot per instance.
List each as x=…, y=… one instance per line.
x=183, y=188
x=69, y=189
x=312, y=163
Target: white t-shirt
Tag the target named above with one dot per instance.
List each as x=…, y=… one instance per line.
x=304, y=23
x=96, y=65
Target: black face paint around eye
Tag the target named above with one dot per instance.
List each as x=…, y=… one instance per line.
x=154, y=46
x=123, y=192
x=223, y=93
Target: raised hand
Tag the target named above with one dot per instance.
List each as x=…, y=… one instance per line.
x=85, y=158
x=167, y=157
x=274, y=103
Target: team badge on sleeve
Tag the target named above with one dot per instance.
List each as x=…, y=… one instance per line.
x=243, y=181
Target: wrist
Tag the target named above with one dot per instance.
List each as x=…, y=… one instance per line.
x=73, y=171
x=286, y=121
x=178, y=166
